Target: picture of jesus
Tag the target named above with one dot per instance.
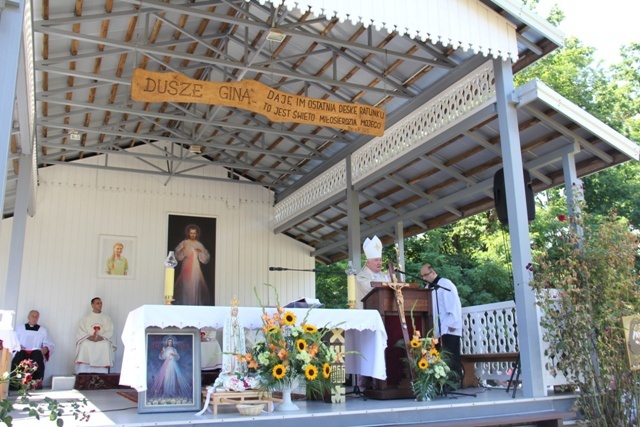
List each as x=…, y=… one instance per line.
x=192, y=240
x=191, y=286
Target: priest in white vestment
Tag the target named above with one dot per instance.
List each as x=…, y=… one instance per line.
x=35, y=344
x=372, y=270
x=94, y=346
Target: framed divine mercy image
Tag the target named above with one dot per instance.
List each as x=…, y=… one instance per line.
x=173, y=371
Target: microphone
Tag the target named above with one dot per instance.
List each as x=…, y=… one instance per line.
x=277, y=269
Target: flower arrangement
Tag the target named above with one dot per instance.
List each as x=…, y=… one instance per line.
x=290, y=354
x=430, y=369
x=22, y=376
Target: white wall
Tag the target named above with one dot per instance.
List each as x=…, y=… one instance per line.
x=76, y=205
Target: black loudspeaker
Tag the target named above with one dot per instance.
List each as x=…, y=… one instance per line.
x=500, y=199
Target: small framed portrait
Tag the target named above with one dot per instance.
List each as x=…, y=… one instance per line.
x=117, y=257
x=173, y=371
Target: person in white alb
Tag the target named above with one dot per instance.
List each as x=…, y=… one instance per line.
x=447, y=322
x=372, y=270
x=35, y=344
x=94, y=346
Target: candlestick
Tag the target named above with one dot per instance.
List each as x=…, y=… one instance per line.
x=351, y=291
x=351, y=286
x=169, y=276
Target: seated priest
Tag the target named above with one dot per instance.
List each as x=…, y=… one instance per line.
x=94, y=346
x=35, y=344
x=372, y=270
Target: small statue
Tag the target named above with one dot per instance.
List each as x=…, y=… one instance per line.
x=233, y=343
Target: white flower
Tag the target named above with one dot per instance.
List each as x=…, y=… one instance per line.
x=304, y=356
x=5, y=375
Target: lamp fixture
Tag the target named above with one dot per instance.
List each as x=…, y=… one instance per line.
x=276, y=35
x=74, y=135
x=195, y=149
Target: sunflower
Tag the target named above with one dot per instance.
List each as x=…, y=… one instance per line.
x=433, y=352
x=423, y=364
x=326, y=370
x=309, y=328
x=311, y=372
x=415, y=343
x=289, y=318
x=279, y=371
x=301, y=345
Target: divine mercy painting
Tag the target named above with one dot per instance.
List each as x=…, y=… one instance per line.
x=173, y=375
x=193, y=241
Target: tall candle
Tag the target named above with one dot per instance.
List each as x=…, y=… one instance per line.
x=351, y=290
x=169, y=274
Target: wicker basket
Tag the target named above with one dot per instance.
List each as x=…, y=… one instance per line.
x=250, y=410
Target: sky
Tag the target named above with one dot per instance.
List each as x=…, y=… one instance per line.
x=603, y=24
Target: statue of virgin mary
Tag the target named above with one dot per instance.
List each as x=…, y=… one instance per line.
x=233, y=342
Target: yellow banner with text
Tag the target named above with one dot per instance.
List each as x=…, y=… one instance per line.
x=278, y=106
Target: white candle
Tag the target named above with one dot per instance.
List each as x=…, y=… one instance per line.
x=351, y=290
x=169, y=274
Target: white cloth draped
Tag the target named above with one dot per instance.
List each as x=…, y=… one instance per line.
x=364, y=333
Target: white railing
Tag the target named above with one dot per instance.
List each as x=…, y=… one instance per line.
x=492, y=328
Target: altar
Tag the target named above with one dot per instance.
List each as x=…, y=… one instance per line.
x=363, y=329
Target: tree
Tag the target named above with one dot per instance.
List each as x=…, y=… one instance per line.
x=585, y=286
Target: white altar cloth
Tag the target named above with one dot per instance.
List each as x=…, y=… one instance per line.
x=10, y=340
x=364, y=332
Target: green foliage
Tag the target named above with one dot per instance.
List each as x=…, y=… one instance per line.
x=331, y=285
x=615, y=188
x=21, y=377
x=584, y=287
x=432, y=373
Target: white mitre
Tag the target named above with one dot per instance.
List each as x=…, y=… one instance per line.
x=372, y=247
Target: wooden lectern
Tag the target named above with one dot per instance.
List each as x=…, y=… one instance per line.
x=383, y=299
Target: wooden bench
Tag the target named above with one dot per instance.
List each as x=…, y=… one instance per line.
x=240, y=397
x=468, y=360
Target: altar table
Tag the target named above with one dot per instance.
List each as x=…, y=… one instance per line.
x=363, y=329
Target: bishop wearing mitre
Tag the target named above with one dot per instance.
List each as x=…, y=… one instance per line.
x=372, y=270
